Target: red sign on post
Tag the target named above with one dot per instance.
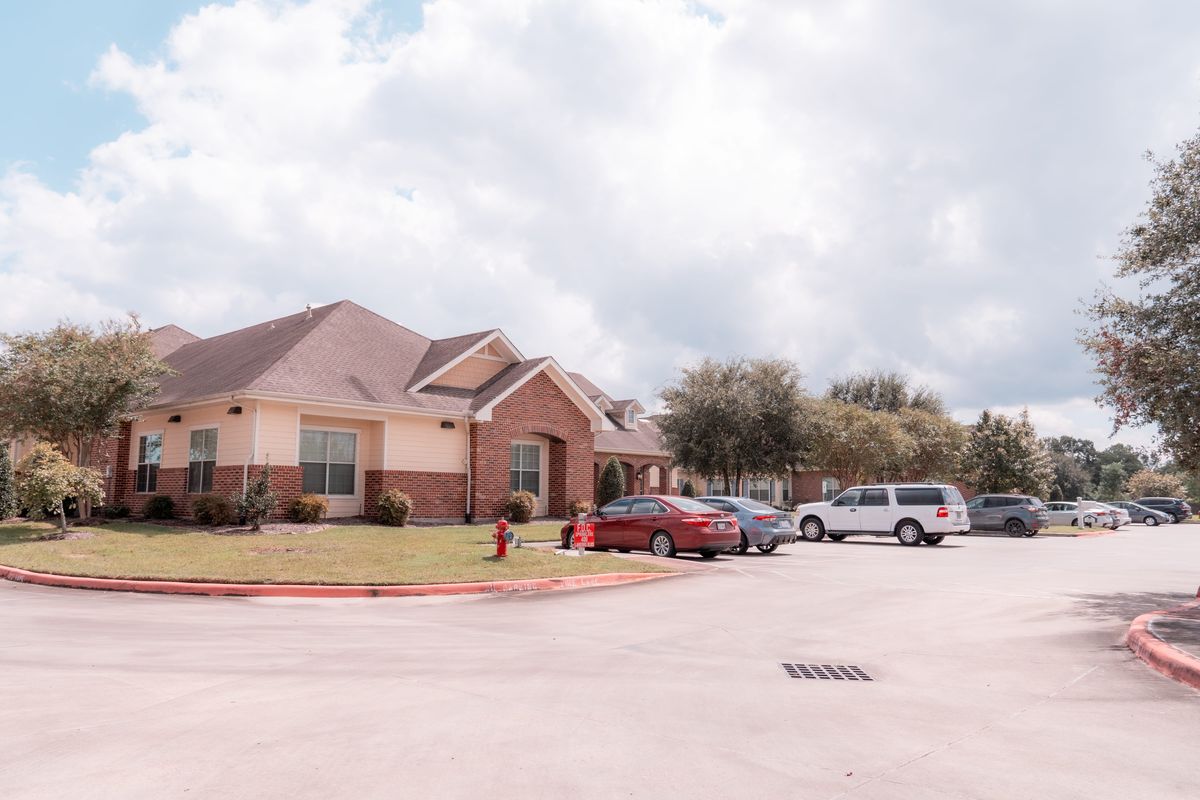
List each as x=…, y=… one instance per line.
x=584, y=534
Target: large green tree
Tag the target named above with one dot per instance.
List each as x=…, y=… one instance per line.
x=1112, y=482
x=881, y=390
x=1146, y=346
x=735, y=418
x=856, y=444
x=1081, y=451
x=72, y=386
x=1070, y=479
x=1153, y=483
x=1004, y=454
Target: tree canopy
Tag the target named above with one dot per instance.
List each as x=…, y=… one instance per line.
x=72, y=386
x=1004, y=455
x=46, y=479
x=735, y=418
x=856, y=444
x=1153, y=483
x=1146, y=347
x=880, y=390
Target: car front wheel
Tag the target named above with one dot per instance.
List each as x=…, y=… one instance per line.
x=661, y=544
x=1150, y=521
x=909, y=533
x=812, y=530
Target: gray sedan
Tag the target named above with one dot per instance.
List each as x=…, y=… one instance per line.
x=1143, y=514
x=762, y=526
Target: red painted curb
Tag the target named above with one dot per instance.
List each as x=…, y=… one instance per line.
x=1162, y=657
x=307, y=590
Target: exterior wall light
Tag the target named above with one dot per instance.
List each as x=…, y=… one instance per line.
x=174, y=418
x=447, y=424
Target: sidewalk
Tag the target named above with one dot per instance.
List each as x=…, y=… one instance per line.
x=1169, y=641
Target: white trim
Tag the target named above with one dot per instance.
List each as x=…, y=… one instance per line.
x=543, y=492
x=333, y=402
x=254, y=433
x=496, y=336
x=624, y=452
x=137, y=452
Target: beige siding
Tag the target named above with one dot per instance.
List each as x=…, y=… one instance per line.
x=277, y=426
x=471, y=373
x=233, y=434
x=421, y=444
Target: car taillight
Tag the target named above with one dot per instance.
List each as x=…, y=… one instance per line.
x=943, y=512
x=699, y=522
x=762, y=517
x=1034, y=509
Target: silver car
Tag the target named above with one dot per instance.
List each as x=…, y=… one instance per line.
x=1143, y=514
x=1094, y=514
x=762, y=526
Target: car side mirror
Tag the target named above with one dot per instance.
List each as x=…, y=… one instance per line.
x=599, y=513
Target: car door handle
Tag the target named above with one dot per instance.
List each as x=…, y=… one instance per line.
x=853, y=510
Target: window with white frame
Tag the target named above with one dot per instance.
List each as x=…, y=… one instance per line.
x=149, y=459
x=829, y=488
x=525, y=468
x=328, y=461
x=759, y=490
x=785, y=490
x=202, y=460
x=630, y=418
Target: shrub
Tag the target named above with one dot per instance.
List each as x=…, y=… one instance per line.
x=8, y=486
x=308, y=507
x=579, y=507
x=47, y=480
x=212, y=509
x=689, y=488
x=612, y=482
x=258, y=501
x=394, y=507
x=160, y=506
x=119, y=511
x=520, y=505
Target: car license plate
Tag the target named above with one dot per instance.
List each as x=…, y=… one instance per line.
x=722, y=526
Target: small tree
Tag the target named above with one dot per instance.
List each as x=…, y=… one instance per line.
x=46, y=479
x=1152, y=483
x=612, y=482
x=258, y=501
x=1005, y=455
x=8, y=488
x=689, y=488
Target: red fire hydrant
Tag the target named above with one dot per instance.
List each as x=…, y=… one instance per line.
x=501, y=537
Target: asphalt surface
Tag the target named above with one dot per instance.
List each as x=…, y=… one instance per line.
x=997, y=664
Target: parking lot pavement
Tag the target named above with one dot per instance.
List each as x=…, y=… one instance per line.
x=997, y=666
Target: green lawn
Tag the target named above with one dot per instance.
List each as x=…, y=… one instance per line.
x=368, y=554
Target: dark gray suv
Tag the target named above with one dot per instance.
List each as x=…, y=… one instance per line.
x=1179, y=509
x=1015, y=514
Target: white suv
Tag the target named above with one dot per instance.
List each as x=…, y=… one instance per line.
x=912, y=512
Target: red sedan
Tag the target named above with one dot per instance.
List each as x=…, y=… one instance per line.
x=662, y=525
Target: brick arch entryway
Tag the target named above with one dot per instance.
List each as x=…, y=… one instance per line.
x=638, y=475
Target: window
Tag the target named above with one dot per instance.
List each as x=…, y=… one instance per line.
x=202, y=460
x=149, y=457
x=976, y=502
x=630, y=418
x=848, y=498
x=525, y=468
x=785, y=490
x=753, y=505
x=829, y=488
x=646, y=505
x=617, y=507
x=875, y=497
x=720, y=505
x=759, y=490
x=328, y=461
x=690, y=506
x=931, y=496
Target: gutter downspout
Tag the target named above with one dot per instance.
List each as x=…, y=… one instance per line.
x=467, y=422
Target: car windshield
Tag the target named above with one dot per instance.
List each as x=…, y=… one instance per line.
x=691, y=506
x=754, y=505
x=1033, y=501
x=953, y=496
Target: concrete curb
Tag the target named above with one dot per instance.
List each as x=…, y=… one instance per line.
x=308, y=590
x=1160, y=655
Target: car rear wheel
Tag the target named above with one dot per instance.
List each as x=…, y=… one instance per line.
x=812, y=530
x=1075, y=522
x=934, y=539
x=837, y=537
x=767, y=548
x=661, y=544
x=909, y=533
x=1014, y=527
x=708, y=553
x=1150, y=521
x=741, y=547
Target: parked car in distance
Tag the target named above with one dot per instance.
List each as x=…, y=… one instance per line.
x=1178, y=509
x=1015, y=514
x=1094, y=514
x=1122, y=516
x=762, y=526
x=1143, y=514
x=912, y=512
x=663, y=525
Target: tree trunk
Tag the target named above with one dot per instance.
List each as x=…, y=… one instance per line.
x=725, y=477
x=62, y=517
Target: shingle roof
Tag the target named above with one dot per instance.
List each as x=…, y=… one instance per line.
x=590, y=389
x=505, y=380
x=646, y=439
x=169, y=338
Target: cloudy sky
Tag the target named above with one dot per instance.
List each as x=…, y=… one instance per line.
x=627, y=185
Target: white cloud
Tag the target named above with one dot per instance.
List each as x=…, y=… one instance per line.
x=627, y=184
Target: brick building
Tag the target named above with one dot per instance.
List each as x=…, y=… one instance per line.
x=344, y=403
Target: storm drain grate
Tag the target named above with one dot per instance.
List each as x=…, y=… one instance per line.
x=827, y=672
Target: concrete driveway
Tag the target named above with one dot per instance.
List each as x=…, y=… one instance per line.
x=997, y=663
